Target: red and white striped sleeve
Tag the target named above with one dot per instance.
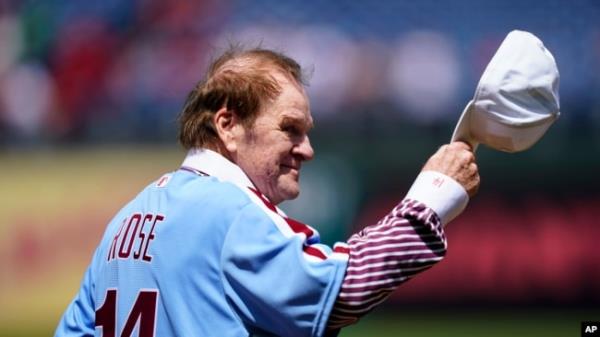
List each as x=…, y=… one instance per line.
x=407, y=241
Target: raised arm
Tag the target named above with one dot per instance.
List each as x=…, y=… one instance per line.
x=408, y=240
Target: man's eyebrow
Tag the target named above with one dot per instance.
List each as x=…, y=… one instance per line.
x=308, y=125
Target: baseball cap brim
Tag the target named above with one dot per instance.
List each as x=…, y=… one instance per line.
x=479, y=128
x=462, y=131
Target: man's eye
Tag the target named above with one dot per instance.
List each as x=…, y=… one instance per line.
x=292, y=130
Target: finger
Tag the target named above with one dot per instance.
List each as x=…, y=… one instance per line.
x=461, y=145
x=473, y=169
x=468, y=156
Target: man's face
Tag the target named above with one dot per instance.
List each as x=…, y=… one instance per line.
x=272, y=150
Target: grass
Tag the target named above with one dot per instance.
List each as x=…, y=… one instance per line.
x=450, y=323
x=489, y=323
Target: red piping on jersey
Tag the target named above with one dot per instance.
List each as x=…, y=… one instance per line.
x=296, y=226
x=312, y=251
x=341, y=249
x=264, y=199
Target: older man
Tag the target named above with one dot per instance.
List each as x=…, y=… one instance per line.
x=205, y=251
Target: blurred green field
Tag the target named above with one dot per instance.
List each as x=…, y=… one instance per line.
x=489, y=323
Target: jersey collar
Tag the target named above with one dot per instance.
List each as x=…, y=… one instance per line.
x=214, y=164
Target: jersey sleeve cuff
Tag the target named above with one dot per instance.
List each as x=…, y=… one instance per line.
x=444, y=195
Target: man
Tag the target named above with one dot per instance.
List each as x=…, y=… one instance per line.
x=204, y=251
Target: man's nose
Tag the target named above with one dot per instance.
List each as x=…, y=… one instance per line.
x=304, y=149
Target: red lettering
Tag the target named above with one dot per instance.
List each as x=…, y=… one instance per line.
x=105, y=315
x=142, y=311
x=113, y=245
x=147, y=257
x=438, y=182
x=137, y=217
x=142, y=236
x=131, y=232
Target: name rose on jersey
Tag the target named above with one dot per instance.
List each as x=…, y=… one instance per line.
x=134, y=237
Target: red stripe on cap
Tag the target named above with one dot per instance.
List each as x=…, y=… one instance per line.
x=312, y=251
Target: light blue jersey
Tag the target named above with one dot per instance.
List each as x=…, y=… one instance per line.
x=200, y=252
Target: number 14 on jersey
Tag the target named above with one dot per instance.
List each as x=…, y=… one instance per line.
x=143, y=310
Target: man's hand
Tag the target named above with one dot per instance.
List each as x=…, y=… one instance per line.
x=457, y=161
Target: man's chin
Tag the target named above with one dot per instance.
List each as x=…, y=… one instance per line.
x=289, y=193
x=293, y=195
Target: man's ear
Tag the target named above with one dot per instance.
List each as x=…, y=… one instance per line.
x=228, y=127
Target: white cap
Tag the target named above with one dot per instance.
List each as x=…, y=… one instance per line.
x=516, y=99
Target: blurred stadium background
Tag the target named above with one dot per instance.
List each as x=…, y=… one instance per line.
x=90, y=91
